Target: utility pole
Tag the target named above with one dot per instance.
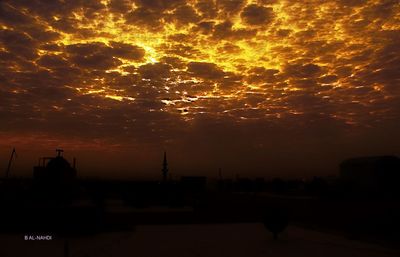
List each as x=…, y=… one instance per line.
x=13, y=153
x=165, y=168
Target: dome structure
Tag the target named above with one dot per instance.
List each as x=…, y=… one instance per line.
x=58, y=163
x=57, y=169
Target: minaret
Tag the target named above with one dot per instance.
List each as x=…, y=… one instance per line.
x=165, y=168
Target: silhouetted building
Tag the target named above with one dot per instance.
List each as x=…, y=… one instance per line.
x=194, y=184
x=278, y=185
x=244, y=185
x=225, y=184
x=377, y=173
x=54, y=169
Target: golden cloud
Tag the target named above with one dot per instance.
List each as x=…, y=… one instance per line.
x=243, y=59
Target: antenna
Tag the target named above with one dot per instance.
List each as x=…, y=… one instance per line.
x=13, y=153
x=59, y=151
x=165, y=168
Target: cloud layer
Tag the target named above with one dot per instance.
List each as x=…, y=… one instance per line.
x=155, y=72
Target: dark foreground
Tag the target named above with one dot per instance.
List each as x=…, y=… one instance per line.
x=149, y=219
x=196, y=240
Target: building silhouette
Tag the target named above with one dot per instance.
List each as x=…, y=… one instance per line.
x=371, y=174
x=54, y=170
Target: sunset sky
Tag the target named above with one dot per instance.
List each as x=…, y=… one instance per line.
x=258, y=88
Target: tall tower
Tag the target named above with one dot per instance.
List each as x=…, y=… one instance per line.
x=165, y=168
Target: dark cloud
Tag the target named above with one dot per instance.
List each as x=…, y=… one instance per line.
x=350, y=2
x=12, y=16
x=175, y=62
x=230, y=6
x=126, y=51
x=262, y=75
x=160, y=5
x=304, y=83
x=267, y=2
x=182, y=50
x=92, y=56
x=231, y=82
x=52, y=61
x=155, y=71
x=86, y=49
x=283, y=33
x=205, y=70
x=145, y=17
x=101, y=56
x=64, y=24
x=257, y=15
x=327, y=79
x=205, y=27
x=120, y=6
x=303, y=70
x=185, y=14
x=207, y=8
x=47, y=9
x=18, y=43
x=224, y=30
x=42, y=35
x=229, y=48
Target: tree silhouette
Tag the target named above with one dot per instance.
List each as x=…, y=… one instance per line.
x=275, y=220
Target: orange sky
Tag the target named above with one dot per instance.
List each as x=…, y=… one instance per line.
x=256, y=87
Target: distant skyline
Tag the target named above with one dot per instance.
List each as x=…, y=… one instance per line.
x=257, y=88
